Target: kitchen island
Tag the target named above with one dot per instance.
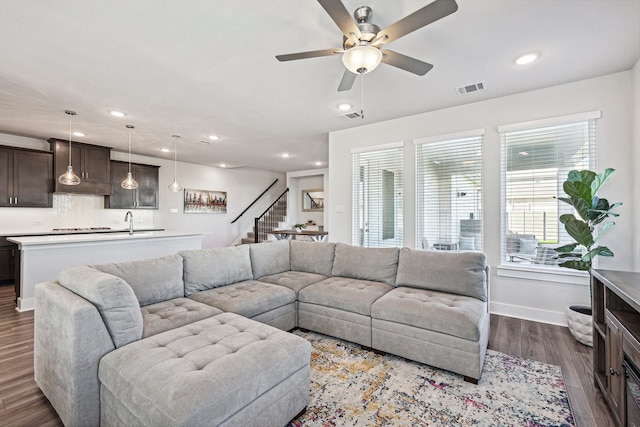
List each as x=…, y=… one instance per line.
x=42, y=258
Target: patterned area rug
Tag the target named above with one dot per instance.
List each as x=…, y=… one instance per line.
x=354, y=387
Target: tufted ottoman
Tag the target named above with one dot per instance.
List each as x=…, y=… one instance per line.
x=452, y=336
x=225, y=370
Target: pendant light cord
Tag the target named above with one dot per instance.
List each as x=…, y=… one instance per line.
x=69, y=139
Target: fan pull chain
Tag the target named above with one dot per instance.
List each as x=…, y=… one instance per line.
x=362, y=96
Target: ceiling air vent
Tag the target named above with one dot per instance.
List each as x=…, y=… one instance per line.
x=351, y=115
x=473, y=87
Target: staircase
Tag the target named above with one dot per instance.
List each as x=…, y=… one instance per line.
x=268, y=221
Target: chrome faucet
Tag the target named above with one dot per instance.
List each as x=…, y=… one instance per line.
x=129, y=216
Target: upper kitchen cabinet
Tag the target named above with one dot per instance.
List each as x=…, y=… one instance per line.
x=143, y=197
x=92, y=163
x=25, y=178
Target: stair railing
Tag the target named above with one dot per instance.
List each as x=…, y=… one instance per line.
x=268, y=221
x=254, y=202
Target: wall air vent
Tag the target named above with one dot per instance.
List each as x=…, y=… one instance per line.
x=473, y=87
x=351, y=115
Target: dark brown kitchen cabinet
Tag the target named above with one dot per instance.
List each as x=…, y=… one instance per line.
x=144, y=197
x=92, y=163
x=25, y=178
x=8, y=253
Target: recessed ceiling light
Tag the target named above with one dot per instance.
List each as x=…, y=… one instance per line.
x=117, y=113
x=165, y=150
x=222, y=165
x=286, y=155
x=214, y=137
x=344, y=107
x=77, y=133
x=526, y=59
x=318, y=163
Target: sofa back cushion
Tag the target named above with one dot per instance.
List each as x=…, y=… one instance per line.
x=269, y=258
x=152, y=280
x=376, y=264
x=312, y=257
x=209, y=268
x=461, y=273
x=113, y=297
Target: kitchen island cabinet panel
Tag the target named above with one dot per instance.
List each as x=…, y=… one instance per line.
x=144, y=197
x=25, y=178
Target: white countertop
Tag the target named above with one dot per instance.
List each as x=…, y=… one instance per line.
x=78, y=231
x=95, y=237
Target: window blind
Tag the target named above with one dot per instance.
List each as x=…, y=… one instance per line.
x=535, y=163
x=449, y=193
x=377, y=197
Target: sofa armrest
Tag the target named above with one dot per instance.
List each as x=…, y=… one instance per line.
x=67, y=352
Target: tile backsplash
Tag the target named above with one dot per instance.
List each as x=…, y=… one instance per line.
x=70, y=211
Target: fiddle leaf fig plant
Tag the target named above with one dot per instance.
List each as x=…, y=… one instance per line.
x=581, y=188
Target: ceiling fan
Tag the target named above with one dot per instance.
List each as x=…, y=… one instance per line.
x=363, y=41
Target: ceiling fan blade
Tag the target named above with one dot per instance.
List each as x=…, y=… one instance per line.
x=347, y=81
x=418, y=19
x=406, y=63
x=341, y=17
x=305, y=55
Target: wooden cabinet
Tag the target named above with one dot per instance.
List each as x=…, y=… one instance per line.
x=25, y=178
x=144, y=197
x=8, y=253
x=92, y=163
x=616, y=334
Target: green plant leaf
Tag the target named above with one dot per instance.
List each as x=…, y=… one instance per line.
x=582, y=207
x=566, y=248
x=600, y=179
x=580, y=232
x=566, y=217
x=566, y=200
x=584, y=176
x=574, y=255
x=576, y=265
x=578, y=189
x=600, y=250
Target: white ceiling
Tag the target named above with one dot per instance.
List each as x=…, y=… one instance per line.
x=196, y=68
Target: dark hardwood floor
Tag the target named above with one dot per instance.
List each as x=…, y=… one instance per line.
x=22, y=403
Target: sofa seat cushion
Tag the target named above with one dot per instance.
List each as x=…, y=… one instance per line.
x=249, y=298
x=294, y=280
x=174, y=313
x=344, y=293
x=202, y=373
x=450, y=314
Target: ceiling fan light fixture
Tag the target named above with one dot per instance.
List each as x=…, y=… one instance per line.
x=362, y=59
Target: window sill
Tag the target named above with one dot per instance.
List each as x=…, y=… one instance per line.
x=543, y=273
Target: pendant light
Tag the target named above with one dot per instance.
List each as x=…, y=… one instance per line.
x=175, y=187
x=129, y=183
x=69, y=178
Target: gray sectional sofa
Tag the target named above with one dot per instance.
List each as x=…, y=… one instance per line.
x=198, y=338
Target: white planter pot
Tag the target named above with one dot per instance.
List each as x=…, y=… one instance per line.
x=580, y=324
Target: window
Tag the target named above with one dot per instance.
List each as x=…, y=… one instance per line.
x=536, y=158
x=377, y=196
x=449, y=192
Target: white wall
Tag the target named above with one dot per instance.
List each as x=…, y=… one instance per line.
x=539, y=298
x=636, y=162
x=306, y=180
x=242, y=185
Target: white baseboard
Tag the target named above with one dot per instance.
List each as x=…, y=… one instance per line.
x=26, y=304
x=528, y=313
